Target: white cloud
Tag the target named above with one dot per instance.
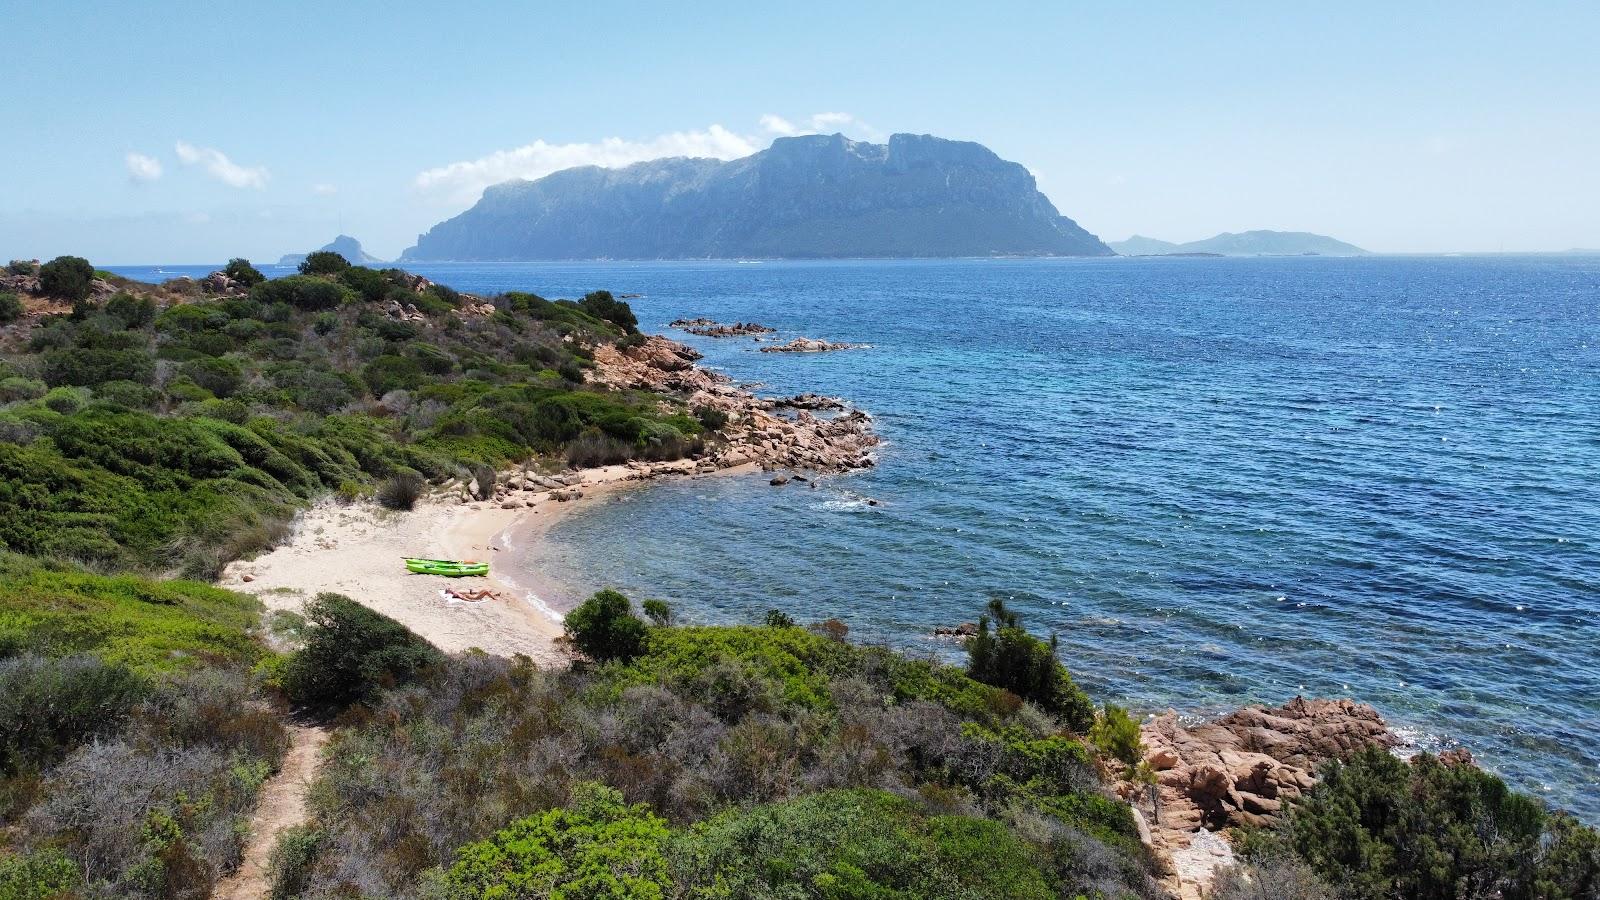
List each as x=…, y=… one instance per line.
x=466, y=180
x=778, y=125
x=143, y=168
x=324, y=190
x=219, y=166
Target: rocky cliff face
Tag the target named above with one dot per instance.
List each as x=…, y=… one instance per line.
x=813, y=196
x=344, y=245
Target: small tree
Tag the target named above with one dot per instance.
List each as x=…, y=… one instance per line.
x=659, y=612
x=352, y=654
x=604, y=627
x=1116, y=734
x=10, y=308
x=777, y=618
x=66, y=277
x=240, y=270
x=1009, y=657
x=602, y=305
x=323, y=262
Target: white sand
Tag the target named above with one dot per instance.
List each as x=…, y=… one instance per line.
x=357, y=550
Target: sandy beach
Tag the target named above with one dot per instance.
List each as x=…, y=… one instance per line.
x=356, y=550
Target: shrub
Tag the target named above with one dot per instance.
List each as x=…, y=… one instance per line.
x=596, y=448
x=392, y=373
x=94, y=366
x=49, y=706
x=240, y=270
x=777, y=618
x=1277, y=877
x=1381, y=827
x=219, y=375
x=16, y=388
x=292, y=857
x=711, y=418
x=352, y=653
x=1010, y=658
x=368, y=283
x=300, y=292
x=599, y=847
x=42, y=875
x=631, y=340
x=323, y=262
x=602, y=305
x=66, y=277
x=854, y=844
x=130, y=311
x=10, y=308
x=144, y=625
x=402, y=491
x=605, y=628
x=1116, y=735
x=659, y=612
x=23, y=267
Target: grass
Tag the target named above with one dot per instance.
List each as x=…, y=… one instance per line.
x=148, y=626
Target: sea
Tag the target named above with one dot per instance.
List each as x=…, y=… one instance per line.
x=1216, y=481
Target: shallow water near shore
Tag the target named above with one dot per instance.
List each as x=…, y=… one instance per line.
x=1218, y=480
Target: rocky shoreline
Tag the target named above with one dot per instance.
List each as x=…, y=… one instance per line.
x=1236, y=771
x=757, y=431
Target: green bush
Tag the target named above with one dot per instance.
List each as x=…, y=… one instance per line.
x=16, y=388
x=301, y=292
x=323, y=262
x=95, y=366
x=49, y=706
x=602, y=305
x=402, y=491
x=22, y=267
x=144, y=625
x=130, y=311
x=352, y=654
x=604, y=628
x=854, y=844
x=42, y=875
x=599, y=847
x=66, y=277
x=368, y=283
x=219, y=375
x=1116, y=735
x=240, y=270
x=10, y=308
x=1380, y=827
x=1010, y=658
x=392, y=373
x=292, y=857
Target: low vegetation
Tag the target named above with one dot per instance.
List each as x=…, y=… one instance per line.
x=1378, y=827
x=757, y=761
x=136, y=433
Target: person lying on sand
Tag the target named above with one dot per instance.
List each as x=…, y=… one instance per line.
x=470, y=595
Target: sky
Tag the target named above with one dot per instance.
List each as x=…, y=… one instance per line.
x=178, y=132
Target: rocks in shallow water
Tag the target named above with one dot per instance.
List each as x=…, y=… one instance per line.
x=807, y=402
x=810, y=345
x=708, y=328
x=779, y=480
x=964, y=630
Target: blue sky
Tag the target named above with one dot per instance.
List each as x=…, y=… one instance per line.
x=190, y=132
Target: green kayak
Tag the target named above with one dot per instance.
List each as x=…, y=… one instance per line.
x=450, y=567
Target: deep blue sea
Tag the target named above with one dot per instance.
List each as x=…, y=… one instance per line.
x=1217, y=480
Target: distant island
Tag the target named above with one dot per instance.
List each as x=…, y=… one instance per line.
x=344, y=245
x=816, y=196
x=1247, y=243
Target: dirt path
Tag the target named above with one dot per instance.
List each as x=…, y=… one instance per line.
x=283, y=805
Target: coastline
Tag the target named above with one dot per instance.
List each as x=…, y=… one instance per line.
x=356, y=550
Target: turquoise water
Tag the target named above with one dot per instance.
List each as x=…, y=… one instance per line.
x=1218, y=480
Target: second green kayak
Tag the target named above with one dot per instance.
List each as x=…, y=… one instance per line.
x=450, y=567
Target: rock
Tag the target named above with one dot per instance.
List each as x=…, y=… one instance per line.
x=511, y=504
x=1162, y=759
x=778, y=481
x=247, y=578
x=708, y=328
x=810, y=345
